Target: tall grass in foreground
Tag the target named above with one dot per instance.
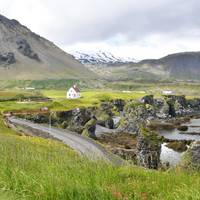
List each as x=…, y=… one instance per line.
x=33, y=168
x=39, y=169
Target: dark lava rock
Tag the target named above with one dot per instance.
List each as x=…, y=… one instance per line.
x=75, y=119
x=174, y=105
x=194, y=103
x=182, y=128
x=7, y=58
x=119, y=104
x=134, y=114
x=25, y=48
x=148, y=149
x=148, y=99
x=109, y=123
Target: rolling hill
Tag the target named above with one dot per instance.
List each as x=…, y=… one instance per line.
x=25, y=55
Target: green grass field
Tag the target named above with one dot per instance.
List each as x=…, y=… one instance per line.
x=89, y=98
x=39, y=169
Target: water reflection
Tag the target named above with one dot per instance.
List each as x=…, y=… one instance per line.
x=171, y=156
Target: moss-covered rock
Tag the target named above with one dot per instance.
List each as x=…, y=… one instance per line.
x=89, y=128
x=179, y=146
x=191, y=159
x=148, y=148
x=105, y=120
x=135, y=113
x=158, y=125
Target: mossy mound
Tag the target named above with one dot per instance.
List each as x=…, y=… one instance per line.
x=178, y=146
x=150, y=136
x=105, y=120
x=156, y=125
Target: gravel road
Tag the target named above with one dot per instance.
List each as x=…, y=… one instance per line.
x=84, y=146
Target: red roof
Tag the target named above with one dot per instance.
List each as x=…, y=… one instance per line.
x=75, y=87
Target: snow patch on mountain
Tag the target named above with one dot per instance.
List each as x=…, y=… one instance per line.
x=100, y=58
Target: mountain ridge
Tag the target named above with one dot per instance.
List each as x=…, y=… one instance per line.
x=100, y=58
x=183, y=66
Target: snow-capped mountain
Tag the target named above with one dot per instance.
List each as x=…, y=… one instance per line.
x=100, y=58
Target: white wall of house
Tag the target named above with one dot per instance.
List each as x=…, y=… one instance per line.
x=72, y=94
x=167, y=92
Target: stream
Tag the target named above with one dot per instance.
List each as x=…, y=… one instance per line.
x=171, y=156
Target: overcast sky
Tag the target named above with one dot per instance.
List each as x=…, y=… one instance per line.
x=135, y=28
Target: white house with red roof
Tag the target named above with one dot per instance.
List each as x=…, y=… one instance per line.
x=73, y=93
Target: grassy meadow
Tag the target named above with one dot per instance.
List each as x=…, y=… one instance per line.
x=59, y=101
x=39, y=169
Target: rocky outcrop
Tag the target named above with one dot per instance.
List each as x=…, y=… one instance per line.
x=90, y=127
x=148, y=149
x=118, y=104
x=134, y=114
x=194, y=104
x=74, y=120
x=25, y=49
x=174, y=105
x=7, y=58
x=191, y=158
x=106, y=107
x=105, y=120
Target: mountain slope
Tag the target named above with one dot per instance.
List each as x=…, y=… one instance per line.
x=184, y=65
x=100, y=58
x=180, y=66
x=26, y=55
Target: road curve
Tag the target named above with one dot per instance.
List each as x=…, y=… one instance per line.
x=84, y=146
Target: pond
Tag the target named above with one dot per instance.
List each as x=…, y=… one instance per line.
x=171, y=156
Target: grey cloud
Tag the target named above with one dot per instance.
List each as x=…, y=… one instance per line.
x=67, y=21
